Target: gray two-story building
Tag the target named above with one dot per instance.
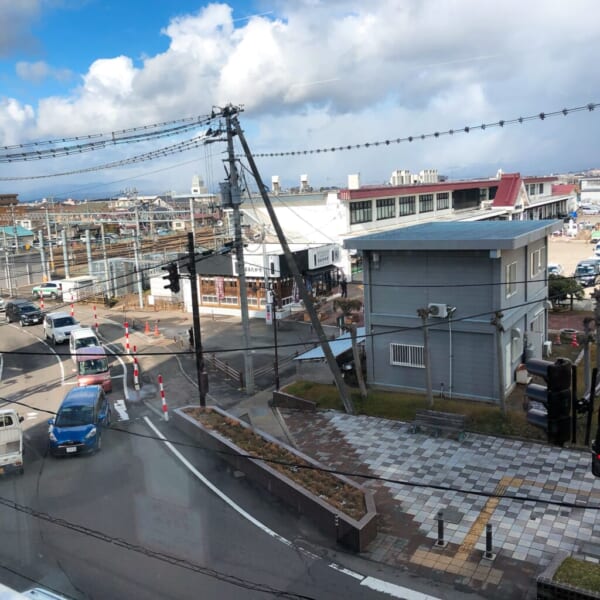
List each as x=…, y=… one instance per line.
x=465, y=275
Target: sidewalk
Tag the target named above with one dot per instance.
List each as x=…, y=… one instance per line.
x=526, y=535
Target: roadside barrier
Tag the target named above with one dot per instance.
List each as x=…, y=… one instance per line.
x=136, y=371
x=165, y=409
x=126, y=325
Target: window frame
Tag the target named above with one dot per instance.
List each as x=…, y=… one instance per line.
x=382, y=208
x=426, y=203
x=442, y=200
x=407, y=205
x=414, y=354
x=361, y=211
x=510, y=283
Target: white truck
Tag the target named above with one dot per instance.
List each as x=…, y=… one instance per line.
x=11, y=441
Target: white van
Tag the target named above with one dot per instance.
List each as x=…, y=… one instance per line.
x=83, y=337
x=11, y=441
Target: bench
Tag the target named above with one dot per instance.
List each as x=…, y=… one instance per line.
x=440, y=422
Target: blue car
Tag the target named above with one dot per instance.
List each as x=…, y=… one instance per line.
x=77, y=427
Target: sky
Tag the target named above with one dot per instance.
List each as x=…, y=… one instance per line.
x=309, y=74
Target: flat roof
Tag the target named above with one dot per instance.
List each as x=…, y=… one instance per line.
x=338, y=346
x=457, y=235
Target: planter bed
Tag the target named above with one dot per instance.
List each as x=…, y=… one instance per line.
x=342, y=509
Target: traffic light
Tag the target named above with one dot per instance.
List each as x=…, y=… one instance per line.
x=551, y=408
x=172, y=277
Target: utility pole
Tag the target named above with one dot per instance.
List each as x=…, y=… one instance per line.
x=63, y=235
x=587, y=338
x=232, y=198
x=43, y=256
x=192, y=218
x=88, y=250
x=201, y=375
x=497, y=323
x=318, y=328
x=136, y=251
x=272, y=300
x=107, y=275
x=596, y=296
x=424, y=314
x=50, y=243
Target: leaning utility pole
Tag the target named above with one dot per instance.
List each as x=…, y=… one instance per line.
x=424, y=314
x=230, y=112
x=232, y=198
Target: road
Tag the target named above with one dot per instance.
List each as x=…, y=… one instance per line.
x=132, y=520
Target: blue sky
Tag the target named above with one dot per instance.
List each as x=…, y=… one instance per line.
x=310, y=74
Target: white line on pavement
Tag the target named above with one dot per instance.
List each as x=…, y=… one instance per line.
x=121, y=409
x=378, y=585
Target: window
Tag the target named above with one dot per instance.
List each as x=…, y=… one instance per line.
x=425, y=203
x=537, y=323
x=6, y=421
x=361, y=212
x=405, y=355
x=443, y=200
x=540, y=188
x=537, y=262
x=386, y=208
x=406, y=206
x=511, y=279
x=207, y=299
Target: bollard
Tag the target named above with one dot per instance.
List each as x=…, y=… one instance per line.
x=136, y=373
x=42, y=302
x=126, y=325
x=156, y=328
x=440, y=543
x=72, y=309
x=95, y=319
x=162, y=398
x=147, y=328
x=488, y=554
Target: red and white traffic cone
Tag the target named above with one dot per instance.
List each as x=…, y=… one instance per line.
x=95, y=319
x=165, y=408
x=42, y=302
x=156, y=328
x=574, y=341
x=72, y=310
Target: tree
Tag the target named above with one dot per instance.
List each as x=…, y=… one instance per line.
x=562, y=288
x=348, y=307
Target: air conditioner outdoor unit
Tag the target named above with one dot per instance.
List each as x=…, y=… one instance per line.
x=438, y=310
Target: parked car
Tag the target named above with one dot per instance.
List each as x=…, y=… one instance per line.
x=587, y=271
x=23, y=311
x=555, y=269
x=2, y=305
x=77, y=427
x=58, y=327
x=48, y=289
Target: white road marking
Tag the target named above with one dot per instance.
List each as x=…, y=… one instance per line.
x=396, y=591
x=121, y=410
x=56, y=355
x=373, y=583
x=124, y=376
x=215, y=489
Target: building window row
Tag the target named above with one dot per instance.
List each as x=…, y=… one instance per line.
x=425, y=203
x=362, y=211
x=406, y=355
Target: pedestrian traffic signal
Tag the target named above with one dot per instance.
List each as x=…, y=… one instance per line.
x=172, y=277
x=551, y=403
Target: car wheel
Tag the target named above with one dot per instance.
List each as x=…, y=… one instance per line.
x=53, y=295
x=53, y=340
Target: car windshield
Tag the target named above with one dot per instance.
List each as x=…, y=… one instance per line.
x=93, y=366
x=74, y=416
x=27, y=308
x=86, y=342
x=64, y=322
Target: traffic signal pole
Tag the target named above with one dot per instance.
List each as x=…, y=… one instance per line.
x=201, y=375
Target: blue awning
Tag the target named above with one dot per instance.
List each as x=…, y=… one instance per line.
x=338, y=346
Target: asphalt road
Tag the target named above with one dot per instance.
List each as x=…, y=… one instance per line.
x=132, y=521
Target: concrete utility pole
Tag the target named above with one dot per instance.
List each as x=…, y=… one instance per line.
x=107, y=278
x=50, y=243
x=424, y=314
x=587, y=367
x=63, y=237
x=497, y=323
x=88, y=250
x=231, y=113
x=233, y=200
x=596, y=296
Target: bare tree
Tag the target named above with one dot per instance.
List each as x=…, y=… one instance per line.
x=348, y=307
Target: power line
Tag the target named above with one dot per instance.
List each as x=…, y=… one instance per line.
x=434, y=135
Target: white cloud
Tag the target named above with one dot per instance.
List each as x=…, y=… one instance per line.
x=322, y=73
x=36, y=72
